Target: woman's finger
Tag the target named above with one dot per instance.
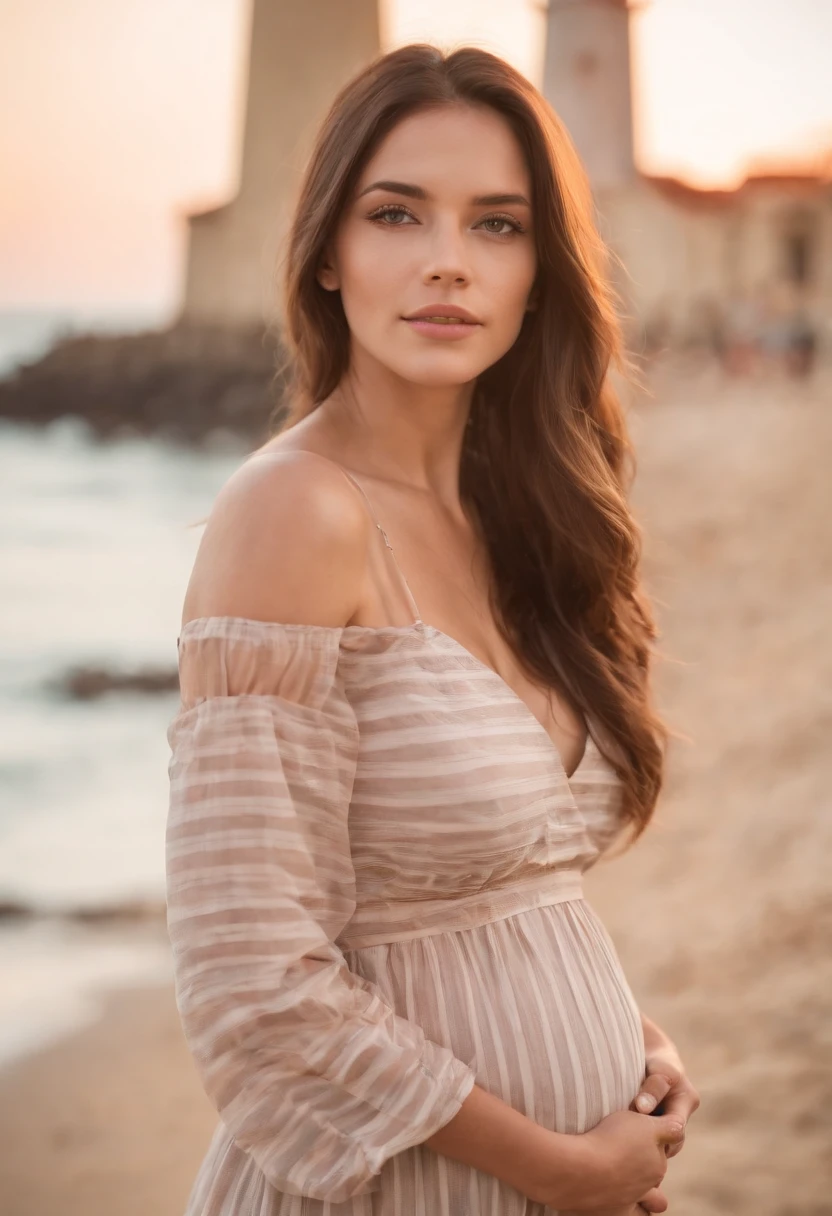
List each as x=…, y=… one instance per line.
x=653, y=1088
x=682, y=1102
x=672, y=1149
x=654, y=1201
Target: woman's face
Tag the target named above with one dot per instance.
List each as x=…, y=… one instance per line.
x=441, y=216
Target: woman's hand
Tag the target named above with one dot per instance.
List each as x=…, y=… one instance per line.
x=615, y=1166
x=654, y=1201
x=665, y=1081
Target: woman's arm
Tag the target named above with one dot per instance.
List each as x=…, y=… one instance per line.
x=315, y=1076
x=492, y=1136
x=604, y=1172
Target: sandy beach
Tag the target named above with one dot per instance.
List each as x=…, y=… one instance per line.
x=722, y=913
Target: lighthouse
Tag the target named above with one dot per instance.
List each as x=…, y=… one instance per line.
x=300, y=54
x=588, y=83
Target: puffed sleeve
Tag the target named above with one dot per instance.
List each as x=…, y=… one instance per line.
x=312, y=1072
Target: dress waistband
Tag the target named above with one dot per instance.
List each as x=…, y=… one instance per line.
x=386, y=921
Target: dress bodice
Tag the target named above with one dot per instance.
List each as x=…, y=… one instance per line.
x=460, y=810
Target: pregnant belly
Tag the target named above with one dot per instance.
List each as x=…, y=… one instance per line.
x=537, y=1004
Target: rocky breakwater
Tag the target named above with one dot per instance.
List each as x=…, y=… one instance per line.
x=180, y=384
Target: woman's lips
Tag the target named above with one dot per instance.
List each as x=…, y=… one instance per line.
x=452, y=328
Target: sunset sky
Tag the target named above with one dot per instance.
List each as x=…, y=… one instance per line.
x=117, y=116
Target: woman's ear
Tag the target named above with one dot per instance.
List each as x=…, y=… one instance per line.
x=326, y=274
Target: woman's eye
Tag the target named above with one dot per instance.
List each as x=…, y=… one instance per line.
x=501, y=220
x=390, y=214
x=394, y=215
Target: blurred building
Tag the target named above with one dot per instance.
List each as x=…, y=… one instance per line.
x=699, y=266
x=691, y=265
x=715, y=266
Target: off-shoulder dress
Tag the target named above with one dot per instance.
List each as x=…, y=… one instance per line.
x=374, y=881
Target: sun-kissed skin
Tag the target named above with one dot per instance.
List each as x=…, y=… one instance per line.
x=290, y=540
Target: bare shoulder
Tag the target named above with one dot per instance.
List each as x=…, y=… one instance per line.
x=287, y=540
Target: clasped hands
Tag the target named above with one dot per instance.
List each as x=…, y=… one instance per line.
x=666, y=1082
x=665, y=1085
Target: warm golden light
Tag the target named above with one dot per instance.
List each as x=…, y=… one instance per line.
x=120, y=117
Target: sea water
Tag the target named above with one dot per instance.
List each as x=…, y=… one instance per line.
x=95, y=555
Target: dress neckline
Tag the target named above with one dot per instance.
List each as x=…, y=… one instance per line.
x=513, y=695
x=423, y=629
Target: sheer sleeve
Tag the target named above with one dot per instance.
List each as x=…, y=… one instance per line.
x=313, y=1074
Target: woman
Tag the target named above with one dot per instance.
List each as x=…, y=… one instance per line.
x=396, y=996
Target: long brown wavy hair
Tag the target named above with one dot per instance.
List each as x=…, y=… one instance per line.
x=546, y=461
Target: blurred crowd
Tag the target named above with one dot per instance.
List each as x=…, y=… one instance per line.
x=767, y=330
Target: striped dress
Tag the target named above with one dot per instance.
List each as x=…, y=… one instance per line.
x=374, y=866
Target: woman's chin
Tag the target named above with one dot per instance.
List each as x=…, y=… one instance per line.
x=438, y=372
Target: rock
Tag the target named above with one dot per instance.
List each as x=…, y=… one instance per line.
x=182, y=384
x=127, y=910
x=89, y=683
x=119, y=912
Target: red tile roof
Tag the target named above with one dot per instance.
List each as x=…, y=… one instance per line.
x=790, y=180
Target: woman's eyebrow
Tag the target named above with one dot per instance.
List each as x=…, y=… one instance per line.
x=410, y=191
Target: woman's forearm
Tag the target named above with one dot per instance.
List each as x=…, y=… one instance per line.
x=653, y=1034
x=492, y=1136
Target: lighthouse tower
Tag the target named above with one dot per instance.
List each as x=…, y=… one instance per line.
x=587, y=81
x=300, y=55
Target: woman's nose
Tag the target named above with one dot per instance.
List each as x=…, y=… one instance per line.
x=448, y=256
